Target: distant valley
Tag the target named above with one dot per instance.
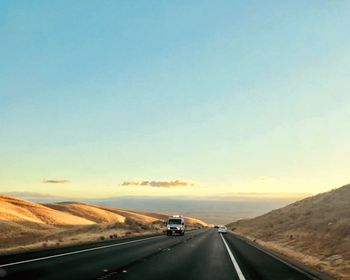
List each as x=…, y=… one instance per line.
x=214, y=210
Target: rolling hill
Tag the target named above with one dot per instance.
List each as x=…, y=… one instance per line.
x=27, y=225
x=315, y=230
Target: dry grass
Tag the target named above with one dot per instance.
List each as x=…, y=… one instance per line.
x=18, y=210
x=25, y=225
x=195, y=222
x=315, y=230
x=138, y=216
x=89, y=212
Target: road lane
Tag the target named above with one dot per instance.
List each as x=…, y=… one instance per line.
x=204, y=257
x=5, y=259
x=60, y=255
x=233, y=259
x=200, y=254
x=92, y=264
x=258, y=265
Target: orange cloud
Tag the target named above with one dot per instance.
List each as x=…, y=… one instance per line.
x=159, y=184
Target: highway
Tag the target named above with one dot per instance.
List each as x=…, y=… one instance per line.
x=200, y=254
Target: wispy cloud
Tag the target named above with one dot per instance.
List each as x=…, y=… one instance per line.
x=264, y=178
x=159, y=184
x=54, y=181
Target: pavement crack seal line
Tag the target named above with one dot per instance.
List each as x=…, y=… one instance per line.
x=235, y=264
x=78, y=252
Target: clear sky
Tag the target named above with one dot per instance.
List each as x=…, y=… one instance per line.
x=235, y=96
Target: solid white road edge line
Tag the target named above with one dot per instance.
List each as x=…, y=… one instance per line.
x=235, y=264
x=78, y=252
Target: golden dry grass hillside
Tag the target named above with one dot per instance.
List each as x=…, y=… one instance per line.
x=315, y=230
x=26, y=225
x=86, y=211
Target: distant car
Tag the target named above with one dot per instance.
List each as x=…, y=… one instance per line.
x=175, y=225
x=222, y=230
x=216, y=226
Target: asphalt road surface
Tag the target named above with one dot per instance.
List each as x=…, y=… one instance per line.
x=200, y=254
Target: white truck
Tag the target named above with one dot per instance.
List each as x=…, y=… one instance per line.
x=175, y=225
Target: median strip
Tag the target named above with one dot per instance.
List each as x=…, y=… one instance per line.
x=235, y=264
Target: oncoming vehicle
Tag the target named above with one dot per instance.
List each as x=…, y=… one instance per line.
x=222, y=229
x=175, y=225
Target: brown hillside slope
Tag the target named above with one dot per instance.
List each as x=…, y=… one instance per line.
x=25, y=225
x=107, y=214
x=190, y=222
x=20, y=211
x=137, y=216
x=89, y=212
x=22, y=222
x=315, y=230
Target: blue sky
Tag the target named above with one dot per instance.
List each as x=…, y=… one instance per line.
x=237, y=96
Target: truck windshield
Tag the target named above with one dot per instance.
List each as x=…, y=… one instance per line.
x=174, y=222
